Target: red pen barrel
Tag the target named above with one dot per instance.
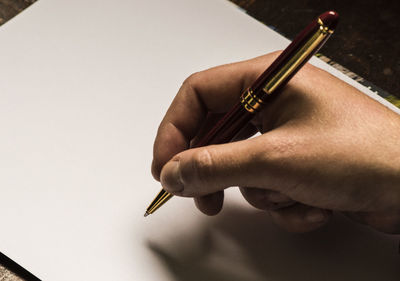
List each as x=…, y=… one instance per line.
x=227, y=127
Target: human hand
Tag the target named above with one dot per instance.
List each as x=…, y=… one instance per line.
x=324, y=147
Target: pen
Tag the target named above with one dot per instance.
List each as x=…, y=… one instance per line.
x=267, y=85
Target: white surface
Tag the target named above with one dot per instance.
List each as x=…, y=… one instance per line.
x=83, y=86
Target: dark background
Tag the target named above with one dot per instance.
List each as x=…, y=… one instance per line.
x=367, y=40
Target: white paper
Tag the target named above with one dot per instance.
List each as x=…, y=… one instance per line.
x=83, y=87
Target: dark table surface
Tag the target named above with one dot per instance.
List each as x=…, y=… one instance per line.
x=367, y=40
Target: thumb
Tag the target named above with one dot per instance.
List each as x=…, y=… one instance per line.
x=201, y=171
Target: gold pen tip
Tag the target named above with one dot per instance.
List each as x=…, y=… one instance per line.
x=146, y=214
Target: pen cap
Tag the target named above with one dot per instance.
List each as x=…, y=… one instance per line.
x=330, y=19
x=302, y=48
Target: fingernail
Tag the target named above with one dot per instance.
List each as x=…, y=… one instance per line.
x=315, y=216
x=171, y=177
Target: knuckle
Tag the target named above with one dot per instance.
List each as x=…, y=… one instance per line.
x=201, y=166
x=192, y=80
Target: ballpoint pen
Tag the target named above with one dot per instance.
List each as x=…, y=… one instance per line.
x=267, y=85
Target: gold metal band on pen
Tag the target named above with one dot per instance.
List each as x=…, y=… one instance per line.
x=324, y=27
x=250, y=102
x=298, y=58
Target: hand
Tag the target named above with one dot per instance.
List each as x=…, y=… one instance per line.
x=324, y=147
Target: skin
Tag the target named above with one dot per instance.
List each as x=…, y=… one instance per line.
x=324, y=146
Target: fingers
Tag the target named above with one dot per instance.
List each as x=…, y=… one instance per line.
x=214, y=90
x=262, y=162
x=388, y=222
x=288, y=214
x=300, y=218
x=201, y=171
x=210, y=204
x=266, y=199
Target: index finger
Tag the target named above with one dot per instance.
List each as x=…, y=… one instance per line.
x=214, y=90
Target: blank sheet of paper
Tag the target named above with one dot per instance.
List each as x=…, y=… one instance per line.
x=83, y=87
